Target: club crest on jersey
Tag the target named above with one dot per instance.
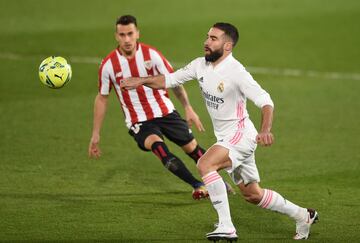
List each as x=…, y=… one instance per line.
x=220, y=88
x=148, y=64
x=118, y=75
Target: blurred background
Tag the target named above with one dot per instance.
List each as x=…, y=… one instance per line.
x=305, y=53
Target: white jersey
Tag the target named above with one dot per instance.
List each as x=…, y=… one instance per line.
x=225, y=89
x=143, y=103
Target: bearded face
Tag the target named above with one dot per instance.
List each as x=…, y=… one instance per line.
x=213, y=55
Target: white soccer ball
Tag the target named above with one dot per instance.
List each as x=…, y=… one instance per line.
x=55, y=72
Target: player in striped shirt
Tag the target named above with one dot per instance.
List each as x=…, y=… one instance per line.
x=226, y=85
x=149, y=113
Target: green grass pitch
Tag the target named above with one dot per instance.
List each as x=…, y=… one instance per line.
x=305, y=53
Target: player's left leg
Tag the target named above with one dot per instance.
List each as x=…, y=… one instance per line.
x=269, y=199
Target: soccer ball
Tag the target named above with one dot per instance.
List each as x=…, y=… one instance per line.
x=55, y=72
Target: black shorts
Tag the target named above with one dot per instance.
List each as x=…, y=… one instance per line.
x=172, y=126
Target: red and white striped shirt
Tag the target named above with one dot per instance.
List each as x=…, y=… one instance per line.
x=143, y=103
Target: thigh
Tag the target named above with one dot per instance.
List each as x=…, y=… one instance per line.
x=242, y=155
x=215, y=158
x=175, y=129
x=141, y=131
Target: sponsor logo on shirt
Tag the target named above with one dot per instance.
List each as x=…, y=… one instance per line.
x=212, y=101
x=201, y=79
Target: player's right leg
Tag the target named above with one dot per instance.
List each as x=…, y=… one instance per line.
x=149, y=138
x=194, y=151
x=173, y=163
x=214, y=159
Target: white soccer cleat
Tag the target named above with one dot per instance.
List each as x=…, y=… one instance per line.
x=303, y=227
x=223, y=233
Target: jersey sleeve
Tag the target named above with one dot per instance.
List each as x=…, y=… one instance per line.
x=182, y=75
x=105, y=77
x=253, y=91
x=161, y=63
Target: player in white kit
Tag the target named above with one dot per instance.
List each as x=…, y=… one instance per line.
x=226, y=85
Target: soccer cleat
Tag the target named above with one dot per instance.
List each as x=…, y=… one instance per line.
x=223, y=233
x=200, y=193
x=303, y=227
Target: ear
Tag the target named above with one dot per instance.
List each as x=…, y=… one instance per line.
x=138, y=34
x=228, y=46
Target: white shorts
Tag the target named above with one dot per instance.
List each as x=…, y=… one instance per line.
x=242, y=155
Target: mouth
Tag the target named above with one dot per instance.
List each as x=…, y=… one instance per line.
x=207, y=49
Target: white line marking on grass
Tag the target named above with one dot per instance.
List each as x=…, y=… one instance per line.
x=288, y=72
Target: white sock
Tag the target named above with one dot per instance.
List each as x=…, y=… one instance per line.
x=218, y=196
x=275, y=202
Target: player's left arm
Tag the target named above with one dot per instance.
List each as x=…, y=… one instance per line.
x=190, y=114
x=265, y=136
x=261, y=99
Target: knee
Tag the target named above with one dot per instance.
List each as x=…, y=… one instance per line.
x=190, y=147
x=202, y=166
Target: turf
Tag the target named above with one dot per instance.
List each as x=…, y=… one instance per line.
x=50, y=190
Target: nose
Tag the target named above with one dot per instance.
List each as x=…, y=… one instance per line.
x=127, y=38
x=206, y=42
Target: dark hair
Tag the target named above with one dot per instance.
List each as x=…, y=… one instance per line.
x=229, y=30
x=126, y=19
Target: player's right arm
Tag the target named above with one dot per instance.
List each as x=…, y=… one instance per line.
x=100, y=106
x=170, y=80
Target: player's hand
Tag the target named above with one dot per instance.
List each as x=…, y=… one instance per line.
x=265, y=139
x=130, y=83
x=193, y=118
x=94, y=150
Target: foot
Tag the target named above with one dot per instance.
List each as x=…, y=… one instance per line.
x=200, y=193
x=223, y=233
x=303, y=227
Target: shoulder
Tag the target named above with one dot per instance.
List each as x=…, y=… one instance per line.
x=105, y=63
x=151, y=49
x=234, y=63
x=194, y=65
x=236, y=68
x=199, y=62
x=112, y=54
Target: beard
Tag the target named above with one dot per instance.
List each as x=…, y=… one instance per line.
x=214, y=55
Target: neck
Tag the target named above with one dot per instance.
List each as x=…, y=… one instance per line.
x=226, y=54
x=129, y=54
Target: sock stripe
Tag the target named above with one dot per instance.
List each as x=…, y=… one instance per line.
x=157, y=154
x=212, y=180
x=161, y=151
x=267, y=199
x=211, y=177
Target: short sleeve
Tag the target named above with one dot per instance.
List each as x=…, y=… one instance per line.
x=105, y=77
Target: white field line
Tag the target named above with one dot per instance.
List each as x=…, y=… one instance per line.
x=256, y=70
